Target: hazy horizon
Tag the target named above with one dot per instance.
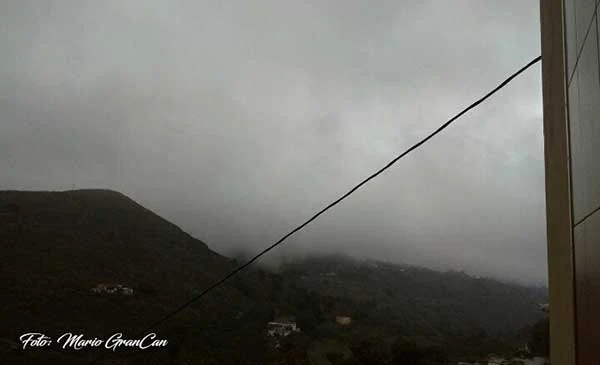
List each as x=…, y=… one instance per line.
x=239, y=121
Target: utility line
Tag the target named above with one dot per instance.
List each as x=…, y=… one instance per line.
x=339, y=200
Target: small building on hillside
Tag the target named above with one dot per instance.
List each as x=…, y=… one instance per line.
x=343, y=320
x=281, y=327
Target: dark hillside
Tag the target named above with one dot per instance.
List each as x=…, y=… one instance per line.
x=57, y=246
x=419, y=300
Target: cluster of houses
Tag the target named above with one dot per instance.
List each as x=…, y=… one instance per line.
x=112, y=289
x=285, y=326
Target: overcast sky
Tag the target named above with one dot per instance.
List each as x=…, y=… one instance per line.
x=238, y=120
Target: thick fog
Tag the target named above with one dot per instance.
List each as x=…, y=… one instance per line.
x=239, y=120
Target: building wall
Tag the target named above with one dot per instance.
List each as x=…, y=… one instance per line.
x=571, y=78
x=583, y=104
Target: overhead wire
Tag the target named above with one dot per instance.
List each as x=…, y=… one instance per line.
x=338, y=200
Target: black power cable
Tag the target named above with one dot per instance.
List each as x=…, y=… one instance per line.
x=340, y=199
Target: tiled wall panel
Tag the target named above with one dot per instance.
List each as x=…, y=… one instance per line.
x=583, y=73
x=584, y=10
x=584, y=106
x=571, y=39
x=587, y=283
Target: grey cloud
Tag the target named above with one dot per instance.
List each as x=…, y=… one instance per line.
x=237, y=121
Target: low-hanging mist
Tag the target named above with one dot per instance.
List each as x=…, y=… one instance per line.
x=239, y=121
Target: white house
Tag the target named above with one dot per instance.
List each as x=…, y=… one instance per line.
x=282, y=327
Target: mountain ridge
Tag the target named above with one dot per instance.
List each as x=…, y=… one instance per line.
x=58, y=246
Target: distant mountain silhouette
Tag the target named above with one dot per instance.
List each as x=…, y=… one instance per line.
x=94, y=262
x=423, y=300
x=57, y=246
